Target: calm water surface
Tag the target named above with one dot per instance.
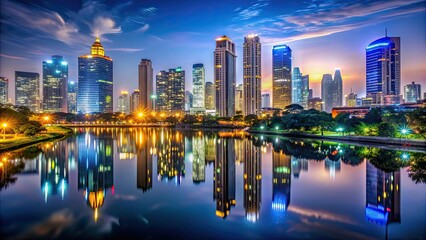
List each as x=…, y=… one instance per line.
x=152, y=183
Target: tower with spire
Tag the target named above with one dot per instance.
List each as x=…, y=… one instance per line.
x=95, y=81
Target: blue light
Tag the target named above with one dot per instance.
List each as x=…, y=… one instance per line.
x=57, y=71
x=280, y=47
x=72, y=82
x=64, y=63
x=49, y=61
x=378, y=45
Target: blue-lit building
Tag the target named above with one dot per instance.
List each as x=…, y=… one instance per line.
x=296, y=85
x=4, y=90
x=72, y=97
x=55, y=81
x=281, y=76
x=95, y=81
x=383, y=66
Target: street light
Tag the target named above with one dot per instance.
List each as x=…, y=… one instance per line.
x=405, y=156
x=4, y=125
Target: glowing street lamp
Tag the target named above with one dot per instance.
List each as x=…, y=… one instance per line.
x=277, y=128
x=405, y=156
x=262, y=127
x=4, y=126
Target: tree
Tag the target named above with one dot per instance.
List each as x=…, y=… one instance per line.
x=251, y=118
x=417, y=121
x=386, y=130
x=373, y=116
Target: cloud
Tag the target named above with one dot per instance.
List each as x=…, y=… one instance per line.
x=250, y=12
x=323, y=18
x=12, y=57
x=144, y=28
x=126, y=49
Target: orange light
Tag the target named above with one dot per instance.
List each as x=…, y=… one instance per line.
x=46, y=118
x=140, y=114
x=4, y=125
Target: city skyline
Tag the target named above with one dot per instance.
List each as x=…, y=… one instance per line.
x=323, y=47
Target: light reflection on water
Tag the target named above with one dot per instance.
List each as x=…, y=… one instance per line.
x=152, y=182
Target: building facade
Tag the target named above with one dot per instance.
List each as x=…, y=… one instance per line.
x=351, y=99
x=210, y=96
x=239, y=102
x=55, y=84
x=27, y=90
x=383, y=66
x=412, y=92
x=146, y=84
x=170, y=91
x=266, y=100
x=4, y=90
x=331, y=90
x=72, y=97
x=252, y=74
x=296, y=86
x=281, y=76
x=95, y=81
x=225, y=76
x=123, y=105
x=134, y=101
x=198, y=88
x=305, y=91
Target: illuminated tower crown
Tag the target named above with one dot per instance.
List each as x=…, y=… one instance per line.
x=97, y=48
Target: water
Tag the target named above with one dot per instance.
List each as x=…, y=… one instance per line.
x=157, y=183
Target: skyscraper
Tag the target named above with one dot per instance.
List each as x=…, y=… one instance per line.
x=305, y=91
x=55, y=84
x=210, y=96
x=170, y=91
x=95, y=81
x=383, y=66
x=124, y=102
x=134, y=101
x=412, y=92
x=146, y=84
x=72, y=97
x=331, y=90
x=281, y=181
x=189, y=99
x=296, y=86
x=281, y=76
x=252, y=75
x=266, y=100
x=198, y=88
x=351, y=99
x=4, y=90
x=239, y=99
x=225, y=76
x=27, y=90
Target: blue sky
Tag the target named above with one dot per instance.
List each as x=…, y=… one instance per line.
x=323, y=34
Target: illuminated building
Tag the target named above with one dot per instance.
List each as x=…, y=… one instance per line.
x=126, y=144
x=123, y=105
x=331, y=90
x=412, y=93
x=27, y=90
x=252, y=74
x=134, y=101
x=170, y=91
x=170, y=156
x=305, y=91
x=199, y=159
x=239, y=99
x=54, y=175
x=55, y=84
x=266, y=100
x=4, y=90
x=225, y=76
x=351, y=99
x=383, y=196
x=95, y=168
x=296, y=86
x=224, y=176
x=316, y=103
x=72, y=97
x=281, y=76
x=95, y=81
x=144, y=151
x=210, y=148
x=189, y=99
x=252, y=180
x=198, y=88
x=146, y=84
x=210, y=96
x=383, y=66
x=281, y=181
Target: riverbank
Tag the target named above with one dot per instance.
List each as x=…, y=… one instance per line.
x=52, y=133
x=400, y=142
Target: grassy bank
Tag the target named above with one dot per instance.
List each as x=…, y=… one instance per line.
x=20, y=141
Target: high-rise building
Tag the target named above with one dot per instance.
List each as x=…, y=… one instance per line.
x=134, y=101
x=27, y=90
x=225, y=76
x=55, y=84
x=305, y=91
x=351, y=99
x=123, y=105
x=252, y=74
x=95, y=81
x=239, y=99
x=170, y=91
x=311, y=93
x=412, y=92
x=198, y=88
x=296, y=86
x=210, y=96
x=281, y=76
x=316, y=103
x=72, y=97
x=383, y=66
x=146, y=84
x=4, y=90
x=189, y=100
x=331, y=90
x=266, y=100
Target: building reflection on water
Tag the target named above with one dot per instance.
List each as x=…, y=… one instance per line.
x=170, y=161
x=281, y=181
x=252, y=179
x=95, y=168
x=198, y=158
x=383, y=196
x=145, y=149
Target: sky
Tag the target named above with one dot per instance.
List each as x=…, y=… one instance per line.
x=323, y=35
